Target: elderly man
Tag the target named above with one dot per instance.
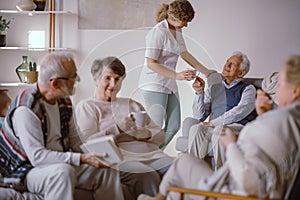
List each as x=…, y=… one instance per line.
x=228, y=101
x=39, y=140
x=264, y=160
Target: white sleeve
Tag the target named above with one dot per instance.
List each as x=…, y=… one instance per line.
x=202, y=106
x=247, y=163
x=198, y=106
x=87, y=119
x=242, y=171
x=27, y=127
x=154, y=43
x=75, y=138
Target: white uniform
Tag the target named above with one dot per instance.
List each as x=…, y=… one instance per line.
x=163, y=47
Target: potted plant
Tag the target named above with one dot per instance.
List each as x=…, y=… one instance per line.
x=32, y=74
x=4, y=25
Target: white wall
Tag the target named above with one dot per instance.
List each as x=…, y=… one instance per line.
x=266, y=30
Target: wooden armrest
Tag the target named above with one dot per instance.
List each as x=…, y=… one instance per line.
x=183, y=191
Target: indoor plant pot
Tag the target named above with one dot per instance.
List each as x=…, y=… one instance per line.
x=3, y=38
x=4, y=25
x=40, y=5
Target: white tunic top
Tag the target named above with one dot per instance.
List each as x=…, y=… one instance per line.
x=163, y=47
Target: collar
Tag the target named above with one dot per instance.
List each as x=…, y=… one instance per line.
x=234, y=83
x=165, y=24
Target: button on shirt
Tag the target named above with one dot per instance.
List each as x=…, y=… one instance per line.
x=202, y=105
x=163, y=47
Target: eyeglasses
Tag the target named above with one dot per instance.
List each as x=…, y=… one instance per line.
x=75, y=78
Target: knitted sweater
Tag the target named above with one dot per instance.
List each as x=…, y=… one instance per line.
x=14, y=163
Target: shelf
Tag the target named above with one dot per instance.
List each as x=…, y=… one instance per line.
x=14, y=84
x=35, y=49
x=31, y=13
x=52, y=14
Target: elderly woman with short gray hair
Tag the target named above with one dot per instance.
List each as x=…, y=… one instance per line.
x=107, y=114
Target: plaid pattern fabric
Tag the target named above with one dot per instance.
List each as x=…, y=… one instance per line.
x=14, y=163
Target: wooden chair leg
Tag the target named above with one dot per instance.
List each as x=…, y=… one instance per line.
x=184, y=191
x=181, y=196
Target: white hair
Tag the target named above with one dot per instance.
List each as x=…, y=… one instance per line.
x=51, y=65
x=245, y=65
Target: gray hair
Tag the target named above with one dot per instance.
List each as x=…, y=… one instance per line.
x=51, y=65
x=245, y=65
x=293, y=69
x=112, y=63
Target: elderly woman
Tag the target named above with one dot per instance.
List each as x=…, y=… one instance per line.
x=107, y=114
x=266, y=156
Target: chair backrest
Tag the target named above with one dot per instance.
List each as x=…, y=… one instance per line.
x=254, y=81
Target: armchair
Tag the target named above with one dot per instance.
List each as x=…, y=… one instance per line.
x=182, y=141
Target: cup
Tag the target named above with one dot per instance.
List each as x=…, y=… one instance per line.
x=140, y=118
x=194, y=71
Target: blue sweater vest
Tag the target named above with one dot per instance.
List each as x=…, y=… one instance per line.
x=224, y=99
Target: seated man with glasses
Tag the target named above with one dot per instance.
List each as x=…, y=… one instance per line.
x=40, y=143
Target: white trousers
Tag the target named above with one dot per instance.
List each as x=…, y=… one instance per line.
x=204, y=140
x=58, y=181
x=186, y=172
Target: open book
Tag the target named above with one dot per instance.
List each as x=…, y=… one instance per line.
x=104, y=144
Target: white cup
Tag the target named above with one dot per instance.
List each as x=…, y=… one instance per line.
x=194, y=71
x=140, y=118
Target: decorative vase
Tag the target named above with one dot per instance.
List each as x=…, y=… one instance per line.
x=26, y=5
x=3, y=38
x=22, y=69
x=40, y=5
